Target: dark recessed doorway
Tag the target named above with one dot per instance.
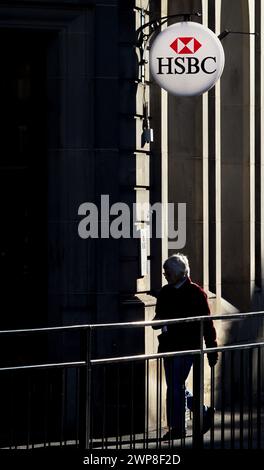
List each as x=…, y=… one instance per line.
x=23, y=179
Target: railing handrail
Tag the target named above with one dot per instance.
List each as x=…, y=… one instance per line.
x=137, y=324
x=52, y=365
x=227, y=316
x=138, y=357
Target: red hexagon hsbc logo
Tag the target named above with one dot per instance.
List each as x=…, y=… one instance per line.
x=185, y=45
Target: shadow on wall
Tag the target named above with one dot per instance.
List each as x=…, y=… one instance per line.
x=237, y=372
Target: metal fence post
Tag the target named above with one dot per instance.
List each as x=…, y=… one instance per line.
x=198, y=394
x=86, y=391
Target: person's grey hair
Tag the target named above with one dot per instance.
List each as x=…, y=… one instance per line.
x=178, y=263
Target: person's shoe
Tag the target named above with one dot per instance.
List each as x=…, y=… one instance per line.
x=173, y=434
x=208, y=419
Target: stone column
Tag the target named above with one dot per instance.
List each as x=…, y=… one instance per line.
x=237, y=155
x=218, y=256
x=186, y=162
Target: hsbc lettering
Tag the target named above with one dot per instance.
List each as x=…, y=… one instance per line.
x=187, y=65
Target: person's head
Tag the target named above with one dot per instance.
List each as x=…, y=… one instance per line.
x=176, y=268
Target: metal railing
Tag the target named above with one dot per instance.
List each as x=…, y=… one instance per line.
x=119, y=401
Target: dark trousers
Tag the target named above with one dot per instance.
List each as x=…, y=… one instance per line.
x=178, y=398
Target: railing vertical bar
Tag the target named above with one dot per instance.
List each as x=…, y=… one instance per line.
x=241, y=397
x=92, y=406
x=170, y=397
x=132, y=434
x=62, y=407
x=46, y=407
x=77, y=398
x=104, y=409
x=232, y=400
x=118, y=409
x=198, y=394
x=86, y=391
x=50, y=401
x=65, y=405
x=182, y=404
x=259, y=381
x=120, y=395
x=88, y=437
x=147, y=409
x=223, y=402
x=157, y=400
x=12, y=381
x=29, y=401
x=131, y=405
x=160, y=399
x=250, y=391
x=183, y=407
x=212, y=404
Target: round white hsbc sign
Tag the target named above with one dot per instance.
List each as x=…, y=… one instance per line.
x=186, y=59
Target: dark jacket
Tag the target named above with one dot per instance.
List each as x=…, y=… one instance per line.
x=189, y=300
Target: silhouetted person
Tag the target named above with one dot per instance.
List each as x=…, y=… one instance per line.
x=182, y=298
